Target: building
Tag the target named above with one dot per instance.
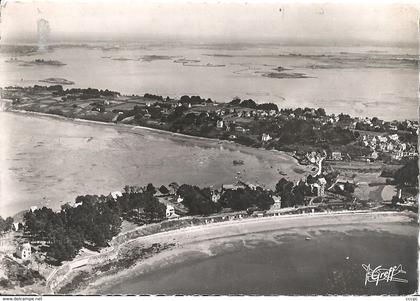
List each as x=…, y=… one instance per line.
x=265, y=137
x=170, y=211
x=15, y=226
x=116, y=194
x=336, y=156
x=374, y=155
x=179, y=199
x=219, y=124
x=393, y=137
x=236, y=186
x=319, y=187
x=215, y=196
x=24, y=251
x=277, y=204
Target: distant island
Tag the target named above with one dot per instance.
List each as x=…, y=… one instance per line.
x=280, y=73
x=57, y=81
x=39, y=62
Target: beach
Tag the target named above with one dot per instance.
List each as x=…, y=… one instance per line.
x=48, y=160
x=325, y=236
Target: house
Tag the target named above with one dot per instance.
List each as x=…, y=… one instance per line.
x=116, y=194
x=382, y=139
x=215, y=196
x=322, y=184
x=265, y=137
x=15, y=226
x=398, y=155
x=170, y=211
x=277, y=204
x=336, y=156
x=340, y=183
x=236, y=186
x=179, y=199
x=240, y=129
x=393, y=137
x=219, y=124
x=318, y=188
x=312, y=157
x=24, y=251
x=374, y=155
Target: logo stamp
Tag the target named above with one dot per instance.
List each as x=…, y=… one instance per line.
x=379, y=274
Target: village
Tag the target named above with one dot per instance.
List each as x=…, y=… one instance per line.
x=242, y=121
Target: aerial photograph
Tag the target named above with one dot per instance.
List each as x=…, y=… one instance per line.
x=208, y=148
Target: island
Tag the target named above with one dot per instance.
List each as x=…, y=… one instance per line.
x=57, y=81
x=41, y=62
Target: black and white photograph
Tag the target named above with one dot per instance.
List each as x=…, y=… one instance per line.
x=222, y=148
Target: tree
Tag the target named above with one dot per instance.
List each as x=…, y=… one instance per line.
x=150, y=188
x=153, y=209
x=235, y=102
x=348, y=187
x=320, y=112
x=8, y=223
x=163, y=190
x=244, y=198
x=198, y=201
x=174, y=186
x=408, y=174
x=395, y=200
x=249, y=103
x=268, y=107
x=282, y=185
x=2, y=224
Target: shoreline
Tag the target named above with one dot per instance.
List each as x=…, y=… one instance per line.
x=179, y=137
x=202, y=241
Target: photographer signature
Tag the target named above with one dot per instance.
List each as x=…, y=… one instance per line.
x=381, y=274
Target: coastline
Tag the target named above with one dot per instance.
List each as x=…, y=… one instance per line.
x=204, y=241
x=136, y=129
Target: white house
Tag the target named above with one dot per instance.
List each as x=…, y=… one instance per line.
x=170, y=212
x=266, y=137
x=215, y=196
x=322, y=183
x=116, y=194
x=382, y=138
x=277, y=203
x=393, y=137
x=219, y=124
x=15, y=226
x=336, y=156
x=24, y=251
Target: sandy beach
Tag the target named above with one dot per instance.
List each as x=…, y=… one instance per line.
x=194, y=245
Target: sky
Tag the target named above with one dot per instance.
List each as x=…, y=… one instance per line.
x=331, y=24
